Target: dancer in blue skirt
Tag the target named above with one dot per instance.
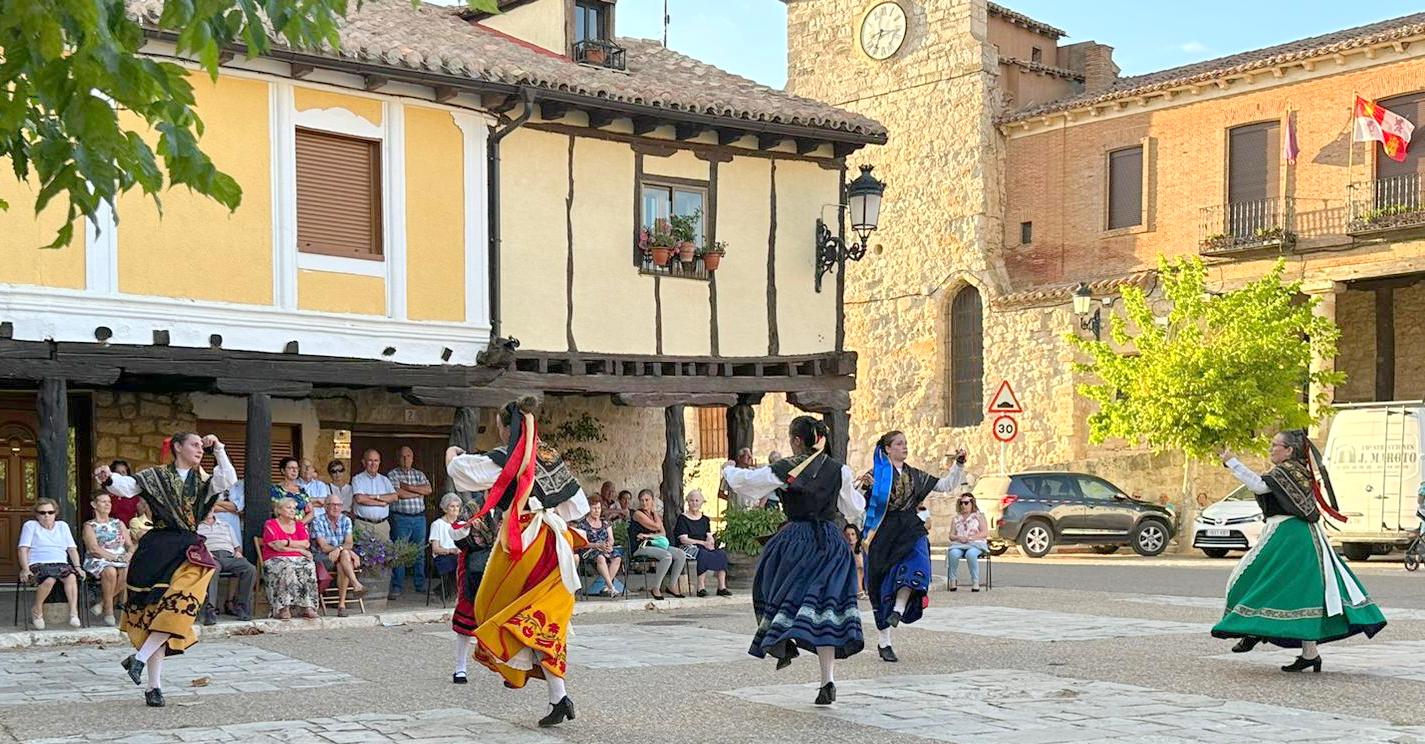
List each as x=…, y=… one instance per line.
x=804, y=593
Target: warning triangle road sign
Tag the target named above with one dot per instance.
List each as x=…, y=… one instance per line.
x=1005, y=400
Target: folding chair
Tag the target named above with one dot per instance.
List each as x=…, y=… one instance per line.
x=987, y=576
x=447, y=580
x=24, y=597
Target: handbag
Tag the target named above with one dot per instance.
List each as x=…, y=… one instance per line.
x=660, y=541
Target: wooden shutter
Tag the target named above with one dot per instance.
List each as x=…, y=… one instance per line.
x=712, y=433
x=338, y=195
x=1125, y=188
x=967, y=359
x=285, y=443
x=1253, y=161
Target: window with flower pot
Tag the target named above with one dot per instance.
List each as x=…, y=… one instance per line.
x=673, y=219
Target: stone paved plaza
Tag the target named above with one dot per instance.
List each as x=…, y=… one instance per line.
x=1057, y=653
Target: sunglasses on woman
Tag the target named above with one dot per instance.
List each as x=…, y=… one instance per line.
x=966, y=501
x=46, y=512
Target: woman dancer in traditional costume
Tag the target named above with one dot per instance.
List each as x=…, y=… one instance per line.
x=1291, y=589
x=526, y=597
x=804, y=592
x=169, y=572
x=898, y=560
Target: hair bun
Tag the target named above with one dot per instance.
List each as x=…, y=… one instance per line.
x=527, y=404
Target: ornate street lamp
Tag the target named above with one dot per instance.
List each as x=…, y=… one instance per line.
x=863, y=210
x=1083, y=300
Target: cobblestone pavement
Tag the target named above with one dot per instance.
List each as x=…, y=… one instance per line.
x=425, y=727
x=649, y=643
x=988, y=707
x=1400, y=659
x=87, y=674
x=1044, y=625
x=1391, y=613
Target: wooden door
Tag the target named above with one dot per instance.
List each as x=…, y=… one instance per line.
x=19, y=472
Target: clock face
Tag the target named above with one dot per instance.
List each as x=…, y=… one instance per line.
x=883, y=30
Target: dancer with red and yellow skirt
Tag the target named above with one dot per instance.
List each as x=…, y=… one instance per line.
x=526, y=597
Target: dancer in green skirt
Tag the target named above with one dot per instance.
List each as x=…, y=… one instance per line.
x=1291, y=589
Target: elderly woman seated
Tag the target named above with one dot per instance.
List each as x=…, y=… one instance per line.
x=693, y=531
x=445, y=555
x=48, y=556
x=602, y=553
x=106, y=540
x=287, y=567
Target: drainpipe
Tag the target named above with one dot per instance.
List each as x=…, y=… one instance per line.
x=492, y=155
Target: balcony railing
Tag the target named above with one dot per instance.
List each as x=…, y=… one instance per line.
x=601, y=53
x=1247, y=226
x=1387, y=204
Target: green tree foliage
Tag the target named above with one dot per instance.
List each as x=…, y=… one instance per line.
x=69, y=68
x=1218, y=371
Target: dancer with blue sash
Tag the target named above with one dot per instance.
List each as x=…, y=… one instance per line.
x=898, y=560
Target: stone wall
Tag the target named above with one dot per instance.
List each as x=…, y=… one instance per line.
x=132, y=426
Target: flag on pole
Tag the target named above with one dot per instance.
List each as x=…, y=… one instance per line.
x=1290, y=149
x=1391, y=130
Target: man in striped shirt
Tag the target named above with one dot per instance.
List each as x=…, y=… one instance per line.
x=408, y=516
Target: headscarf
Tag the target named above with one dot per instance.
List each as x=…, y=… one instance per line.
x=883, y=474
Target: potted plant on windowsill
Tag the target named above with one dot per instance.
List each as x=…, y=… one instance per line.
x=658, y=242
x=685, y=232
x=378, y=557
x=712, y=254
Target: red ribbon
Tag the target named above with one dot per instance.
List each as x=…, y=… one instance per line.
x=1321, y=500
x=165, y=453
x=519, y=469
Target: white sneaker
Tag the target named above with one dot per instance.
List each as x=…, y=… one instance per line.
x=74, y=622
x=37, y=622
x=96, y=609
x=109, y=621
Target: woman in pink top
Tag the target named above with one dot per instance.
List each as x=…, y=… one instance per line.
x=968, y=534
x=288, y=571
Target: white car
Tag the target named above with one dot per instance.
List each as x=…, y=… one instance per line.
x=1234, y=523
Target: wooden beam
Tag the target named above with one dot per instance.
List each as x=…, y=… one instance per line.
x=446, y=93
x=39, y=369
x=807, y=147
x=278, y=388
x=469, y=397
x=769, y=141
x=52, y=405
x=498, y=102
x=225, y=56
x=257, y=468
x=685, y=132
x=601, y=119
x=821, y=401
x=729, y=136
x=465, y=429
x=842, y=149
x=740, y=423
x=663, y=400
x=675, y=453
x=644, y=124
x=553, y=110
x=374, y=82
x=298, y=71
x=652, y=383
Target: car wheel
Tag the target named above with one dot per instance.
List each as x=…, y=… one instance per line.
x=1036, y=539
x=1215, y=552
x=1149, y=538
x=1360, y=552
x=999, y=549
x=1106, y=549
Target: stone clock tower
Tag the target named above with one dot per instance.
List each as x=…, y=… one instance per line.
x=926, y=70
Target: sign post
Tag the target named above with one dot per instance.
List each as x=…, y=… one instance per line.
x=1005, y=427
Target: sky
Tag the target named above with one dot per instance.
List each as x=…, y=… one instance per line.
x=748, y=37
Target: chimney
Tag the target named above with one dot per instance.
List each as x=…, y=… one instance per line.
x=1092, y=60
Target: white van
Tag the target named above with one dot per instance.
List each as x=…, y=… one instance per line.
x=1373, y=455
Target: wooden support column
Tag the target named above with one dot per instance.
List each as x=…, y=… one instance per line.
x=256, y=473
x=462, y=434
x=739, y=426
x=839, y=421
x=835, y=410
x=52, y=404
x=674, y=455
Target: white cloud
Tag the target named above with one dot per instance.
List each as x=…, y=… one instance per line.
x=1193, y=47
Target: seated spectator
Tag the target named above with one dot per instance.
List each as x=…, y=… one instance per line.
x=48, y=556
x=290, y=574
x=694, y=533
x=107, y=544
x=650, y=540
x=222, y=541
x=968, y=534
x=602, y=553
x=141, y=523
x=289, y=488
x=853, y=538
x=336, y=470
x=317, y=489
x=333, y=538
x=618, y=510
x=123, y=509
x=444, y=554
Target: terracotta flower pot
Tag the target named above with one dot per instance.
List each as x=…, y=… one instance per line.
x=686, y=251
x=711, y=260
x=661, y=255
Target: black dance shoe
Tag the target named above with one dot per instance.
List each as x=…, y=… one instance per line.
x=1302, y=664
x=459, y=678
x=153, y=698
x=893, y=619
x=827, y=695
x=562, y=711
x=134, y=667
x=888, y=654
x=784, y=662
x=1245, y=645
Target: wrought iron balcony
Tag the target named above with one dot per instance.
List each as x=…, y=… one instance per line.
x=1387, y=205
x=601, y=53
x=1247, y=226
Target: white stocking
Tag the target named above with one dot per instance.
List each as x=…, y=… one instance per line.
x=1308, y=650
x=155, y=667
x=827, y=656
x=462, y=652
x=556, y=688
x=902, y=598
x=154, y=642
x=885, y=641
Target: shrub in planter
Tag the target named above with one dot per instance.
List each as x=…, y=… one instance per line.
x=712, y=254
x=685, y=232
x=379, y=555
x=658, y=242
x=742, y=528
